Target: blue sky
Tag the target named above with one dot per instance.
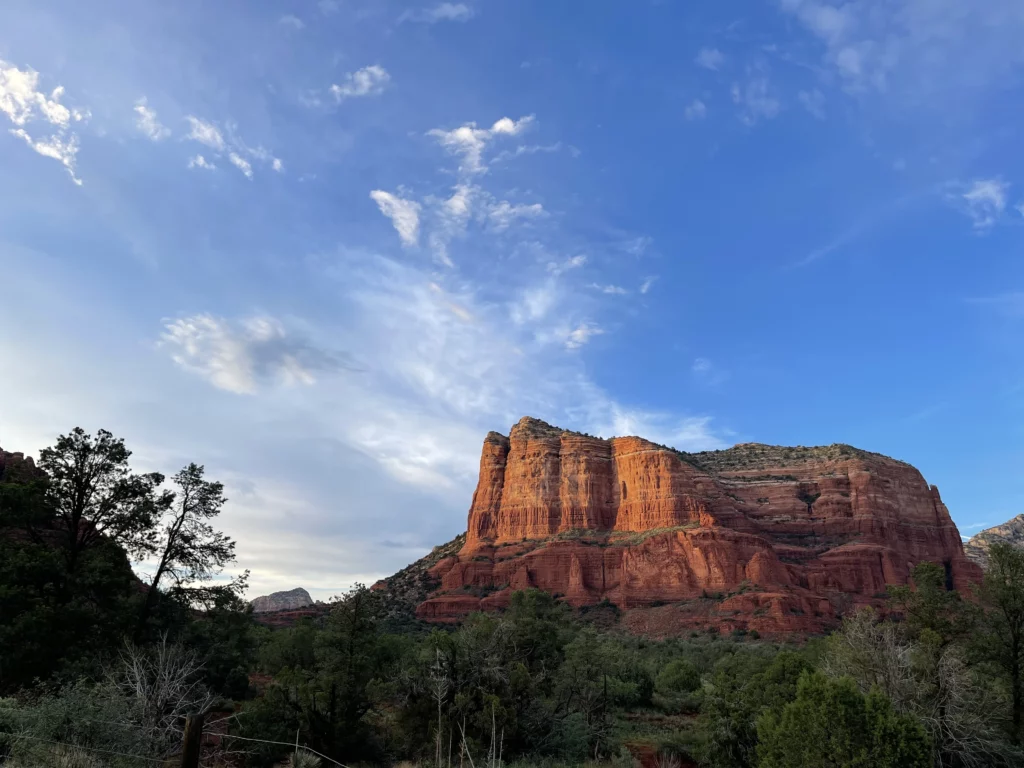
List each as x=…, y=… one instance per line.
x=323, y=247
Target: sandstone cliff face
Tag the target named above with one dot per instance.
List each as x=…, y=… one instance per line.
x=16, y=467
x=1010, y=532
x=763, y=537
x=291, y=600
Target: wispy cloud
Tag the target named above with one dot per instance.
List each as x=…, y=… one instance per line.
x=645, y=286
x=469, y=142
x=695, y=110
x=55, y=147
x=205, y=133
x=241, y=164
x=581, y=334
x=198, y=161
x=147, y=122
x=440, y=12
x=25, y=104
x=225, y=142
x=708, y=373
x=502, y=214
x=404, y=215
x=814, y=102
x=291, y=21
x=914, y=49
x=368, y=81
x=574, y=262
x=756, y=99
x=984, y=201
x=710, y=58
x=240, y=357
x=609, y=289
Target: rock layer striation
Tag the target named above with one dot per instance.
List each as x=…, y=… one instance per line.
x=754, y=537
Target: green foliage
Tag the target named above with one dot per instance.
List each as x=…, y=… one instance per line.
x=830, y=722
x=1001, y=640
x=678, y=676
x=742, y=688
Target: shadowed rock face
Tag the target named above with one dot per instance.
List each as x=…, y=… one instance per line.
x=761, y=537
x=17, y=467
x=1010, y=532
x=291, y=600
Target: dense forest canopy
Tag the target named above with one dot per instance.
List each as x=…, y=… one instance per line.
x=100, y=666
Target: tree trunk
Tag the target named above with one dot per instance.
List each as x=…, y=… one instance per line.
x=1015, y=685
x=192, y=741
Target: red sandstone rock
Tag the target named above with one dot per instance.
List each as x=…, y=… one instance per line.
x=800, y=531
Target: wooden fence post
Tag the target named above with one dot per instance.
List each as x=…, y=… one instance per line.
x=192, y=741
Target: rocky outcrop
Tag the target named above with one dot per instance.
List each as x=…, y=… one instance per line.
x=17, y=467
x=291, y=600
x=1010, y=532
x=753, y=537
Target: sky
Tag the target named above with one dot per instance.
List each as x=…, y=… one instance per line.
x=322, y=247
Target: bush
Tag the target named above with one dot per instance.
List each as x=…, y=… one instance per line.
x=678, y=676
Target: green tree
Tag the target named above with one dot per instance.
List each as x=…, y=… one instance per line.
x=96, y=497
x=1003, y=593
x=678, y=676
x=49, y=623
x=190, y=552
x=742, y=687
x=831, y=723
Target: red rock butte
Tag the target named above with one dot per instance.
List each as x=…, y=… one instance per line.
x=755, y=537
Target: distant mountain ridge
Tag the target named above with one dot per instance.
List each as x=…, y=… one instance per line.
x=289, y=600
x=1010, y=532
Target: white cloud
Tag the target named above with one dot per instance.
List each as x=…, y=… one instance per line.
x=198, y=161
x=688, y=434
x=814, y=102
x=1020, y=208
x=534, y=303
x=756, y=100
x=404, y=215
x=294, y=22
x=147, y=122
x=645, y=286
x=695, y=110
x=915, y=49
x=710, y=58
x=241, y=164
x=502, y=214
x=240, y=357
x=581, y=334
x=54, y=147
x=441, y=12
x=227, y=146
x=24, y=104
x=984, y=201
x=638, y=246
x=469, y=142
x=609, y=289
x=575, y=262
x=368, y=81
x=205, y=133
